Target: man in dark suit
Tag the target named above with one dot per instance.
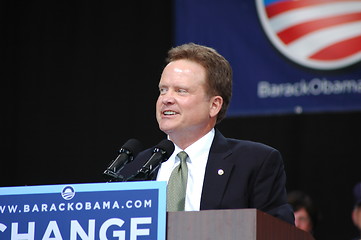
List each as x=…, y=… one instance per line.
x=217, y=172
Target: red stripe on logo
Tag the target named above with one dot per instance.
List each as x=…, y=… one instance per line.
x=284, y=6
x=290, y=34
x=339, y=50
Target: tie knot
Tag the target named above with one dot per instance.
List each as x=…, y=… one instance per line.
x=182, y=156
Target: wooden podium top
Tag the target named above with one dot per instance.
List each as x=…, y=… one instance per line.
x=232, y=224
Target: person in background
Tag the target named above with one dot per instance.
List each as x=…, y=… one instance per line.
x=214, y=172
x=356, y=212
x=306, y=215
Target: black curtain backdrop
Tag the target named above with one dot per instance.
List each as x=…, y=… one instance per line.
x=80, y=78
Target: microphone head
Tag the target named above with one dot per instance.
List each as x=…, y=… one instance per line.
x=133, y=146
x=167, y=148
x=161, y=152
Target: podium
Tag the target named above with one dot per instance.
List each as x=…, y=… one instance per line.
x=233, y=224
x=132, y=210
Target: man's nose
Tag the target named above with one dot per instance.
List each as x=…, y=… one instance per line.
x=168, y=97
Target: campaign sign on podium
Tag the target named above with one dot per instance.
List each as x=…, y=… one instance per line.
x=119, y=210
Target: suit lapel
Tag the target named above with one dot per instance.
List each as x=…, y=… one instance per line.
x=218, y=171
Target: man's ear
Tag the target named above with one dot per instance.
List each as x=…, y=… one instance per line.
x=215, y=105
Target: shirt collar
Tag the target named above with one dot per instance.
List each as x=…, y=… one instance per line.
x=197, y=148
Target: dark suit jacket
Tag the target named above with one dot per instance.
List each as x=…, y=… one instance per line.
x=254, y=177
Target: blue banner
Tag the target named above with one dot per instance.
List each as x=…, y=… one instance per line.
x=287, y=56
x=134, y=210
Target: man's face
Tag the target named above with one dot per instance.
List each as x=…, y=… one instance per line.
x=303, y=220
x=183, y=107
x=356, y=217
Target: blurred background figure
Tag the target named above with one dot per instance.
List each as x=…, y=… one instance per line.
x=306, y=215
x=356, y=212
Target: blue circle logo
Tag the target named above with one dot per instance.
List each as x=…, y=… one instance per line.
x=68, y=192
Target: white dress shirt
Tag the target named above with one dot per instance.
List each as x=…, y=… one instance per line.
x=197, y=160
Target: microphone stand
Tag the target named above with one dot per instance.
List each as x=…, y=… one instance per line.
x=115, y=178
x=141, y=175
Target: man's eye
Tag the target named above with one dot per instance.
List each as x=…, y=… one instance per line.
x=182, y=90
x=162, y=90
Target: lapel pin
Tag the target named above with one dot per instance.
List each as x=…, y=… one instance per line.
x=220, y=172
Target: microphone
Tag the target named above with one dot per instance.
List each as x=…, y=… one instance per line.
x=161, y=153
x=127, y=154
